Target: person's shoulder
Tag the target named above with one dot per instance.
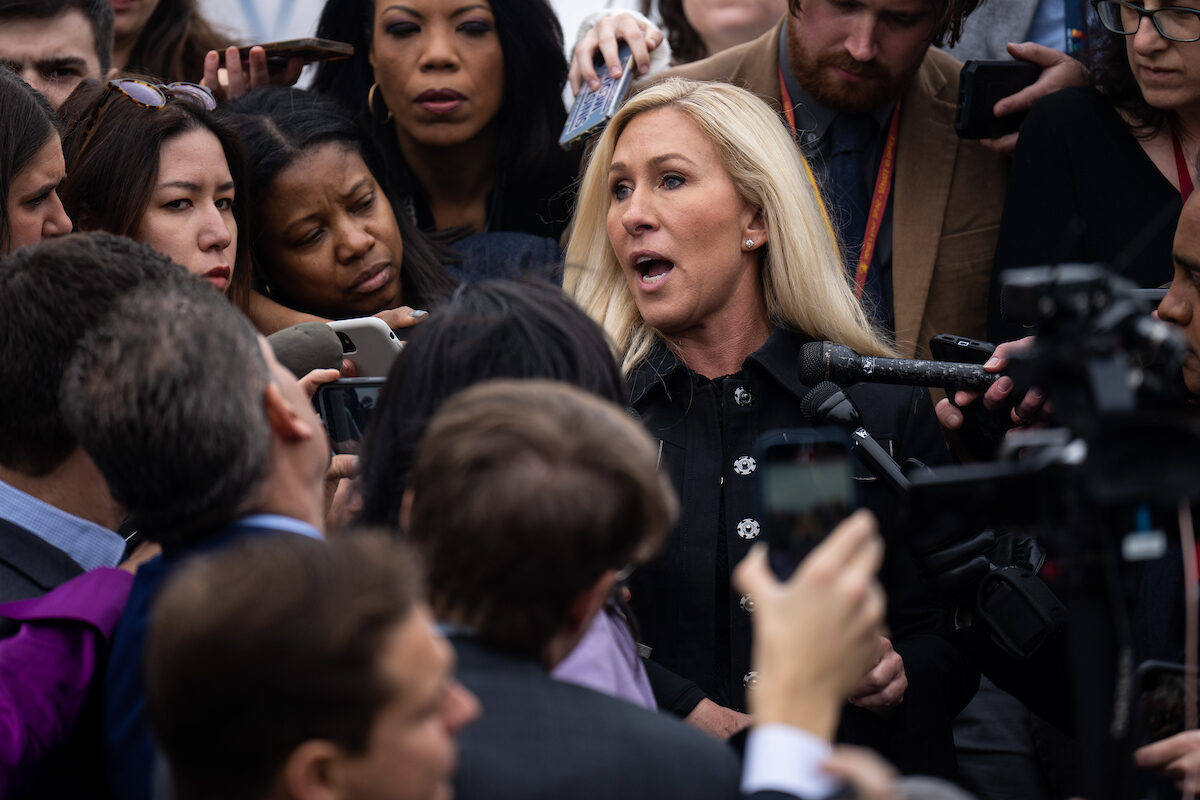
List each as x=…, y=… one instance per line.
x=1072, y=104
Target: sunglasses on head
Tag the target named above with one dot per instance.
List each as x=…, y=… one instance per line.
x=146, y=95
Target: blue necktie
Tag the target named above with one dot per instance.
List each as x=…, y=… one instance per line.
x=852, y=135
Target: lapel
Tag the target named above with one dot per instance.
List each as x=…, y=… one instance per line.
x=925, y=156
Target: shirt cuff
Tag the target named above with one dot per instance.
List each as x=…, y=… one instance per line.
x=786, y=759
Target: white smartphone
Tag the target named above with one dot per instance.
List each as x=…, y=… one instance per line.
x=369, y=344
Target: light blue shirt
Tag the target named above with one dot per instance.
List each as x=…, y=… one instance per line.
x=279, y=523
x=89, y=545
x=1049, y=24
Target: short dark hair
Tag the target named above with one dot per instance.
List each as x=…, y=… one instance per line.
x=99, y=15
x=166, y=396
x=109, y=186
x=949, y=16
x=524, y=494
x=532, y=167
x=298, y=626
x=489, y=329
x=27, y=124
x=50, y=296
x=276, y=126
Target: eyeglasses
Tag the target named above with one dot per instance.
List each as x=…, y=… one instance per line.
x=1172, y=22
x=146, y=95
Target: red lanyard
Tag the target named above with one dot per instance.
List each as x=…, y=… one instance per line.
x=1181, y=167
x=883, y=186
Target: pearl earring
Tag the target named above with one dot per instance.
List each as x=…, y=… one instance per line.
x=749, y=244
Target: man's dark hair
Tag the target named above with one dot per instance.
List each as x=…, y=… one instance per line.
x=166, y=396
x=524, y=494
x=26, y=126
x=50, y=296
x=108, y=187
x=99, y=15
x=489, y=329
x=284, y=632
x=948, y=18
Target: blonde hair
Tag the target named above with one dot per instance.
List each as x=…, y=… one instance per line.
x=805, y=286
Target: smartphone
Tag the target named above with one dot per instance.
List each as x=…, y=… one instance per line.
x=1159, y=700
x=806, y=487
x=369, y=344
x=948, y=347
x=279, y=54
x=980, y=85
x=593, y=109
x=345, y=407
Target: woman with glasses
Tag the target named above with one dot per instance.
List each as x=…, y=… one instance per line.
x=153, y=163
x=1100, y=172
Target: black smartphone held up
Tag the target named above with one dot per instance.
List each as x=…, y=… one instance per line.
x=980, y=85
x=593, y=109
x=806, y=487
x=1159, y=701
x=345, y=407
x=311, y=50
x=948, y=347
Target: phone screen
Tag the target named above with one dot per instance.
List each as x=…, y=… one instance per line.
x=593, y=109
x=345, y=407
x=807, y=488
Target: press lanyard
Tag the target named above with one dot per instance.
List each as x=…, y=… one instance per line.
x=883, y=186
x=1181, y=167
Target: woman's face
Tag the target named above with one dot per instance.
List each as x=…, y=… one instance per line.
x=130, y=17
x=439, y=67
x=33, y=209
x=190, y=215
x=1167, y=72
x=679, y=228
x=330, y=239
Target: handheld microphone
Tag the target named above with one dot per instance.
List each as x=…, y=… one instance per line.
x=826, y=404
x=307, y=346
x=826, y=361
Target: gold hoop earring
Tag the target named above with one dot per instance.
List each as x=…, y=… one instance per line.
x=371, y=105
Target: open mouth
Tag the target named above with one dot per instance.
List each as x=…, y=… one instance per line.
x=651, y=269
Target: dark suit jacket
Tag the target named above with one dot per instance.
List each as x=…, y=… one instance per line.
x=30, y=566
x=946, y=201
x=542, y=738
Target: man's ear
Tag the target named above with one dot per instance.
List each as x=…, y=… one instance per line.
x=406, y=502
x=314, y=771
x=282, y=417
x=590, y=601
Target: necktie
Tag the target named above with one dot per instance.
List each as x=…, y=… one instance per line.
x=852, y=135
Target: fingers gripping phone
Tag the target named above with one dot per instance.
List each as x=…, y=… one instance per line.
x=806, y=487
x=593, y=109
x=309, y=50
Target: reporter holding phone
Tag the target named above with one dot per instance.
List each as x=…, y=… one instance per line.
x=1100, y=172
x=707, y=256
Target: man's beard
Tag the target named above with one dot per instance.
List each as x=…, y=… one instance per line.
x=815, y=75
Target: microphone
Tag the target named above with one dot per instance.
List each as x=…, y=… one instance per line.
x=827, y=404
x=307, y=346
x=826, y=361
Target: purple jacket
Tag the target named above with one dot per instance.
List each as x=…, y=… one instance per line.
x=47, y=667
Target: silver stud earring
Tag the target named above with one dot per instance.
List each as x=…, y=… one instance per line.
x=749, y=244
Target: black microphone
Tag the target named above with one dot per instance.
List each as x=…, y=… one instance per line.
x=307, y=346
x=826, y=404
x=826, y=361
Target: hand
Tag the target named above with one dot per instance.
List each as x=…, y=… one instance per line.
x=816, y=634
x=240, y=77
x=1059, y=71
x=1176, y=757
x=140, y=555
x=402, y=317
x=871, y=777
x=639, y=33
x=716, y=720
x=343, y=500
x=313, y=380
x=996, y=398
x=884, y=686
